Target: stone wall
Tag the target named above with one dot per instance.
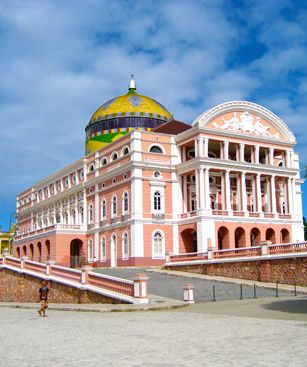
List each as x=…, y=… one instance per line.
x=17, y=287
x=286, y=271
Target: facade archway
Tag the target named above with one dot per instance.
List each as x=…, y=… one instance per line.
x=31, y=251
x=76, y=253
x=270, y=235
x=284, y=236
x=47, y=245
x=18, y=252
x=255, y=237
x=240, y=237
x=223, y=238
x=24, y=249
x=189, y=238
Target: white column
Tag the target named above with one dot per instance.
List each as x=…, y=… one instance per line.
x=273, y=194
x=184, y=154
x=185, y=194
x=242, y=147
x=68, y=212
x=221, y=151
x=227, y=191
x=256, y=154
x=258, y=193
x=271, y=157
x=206, y=145
x=200, y=147
x=293, y=195
x=196, y=148
x=96, y=206
x=288, y=159
x=197, y=189
x=207, y=189
x=84, y=208
x=201, y=189
x=239, y=201
x=226, y=150
x=243, y=192
x=289, y=196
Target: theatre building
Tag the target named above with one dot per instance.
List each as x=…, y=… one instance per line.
x=149, y=184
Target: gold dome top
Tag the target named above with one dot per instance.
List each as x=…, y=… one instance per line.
x=131, y=104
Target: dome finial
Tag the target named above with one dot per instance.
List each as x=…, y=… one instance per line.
x=132, y=85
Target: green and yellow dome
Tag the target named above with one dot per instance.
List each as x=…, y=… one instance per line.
x=121, y=115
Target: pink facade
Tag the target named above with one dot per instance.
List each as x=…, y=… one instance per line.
x=230, y=180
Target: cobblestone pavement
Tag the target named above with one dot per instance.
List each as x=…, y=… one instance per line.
x=194, y=336
x=170, y=286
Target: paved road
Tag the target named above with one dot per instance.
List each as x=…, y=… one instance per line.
x=195, y=336
x=170, y=286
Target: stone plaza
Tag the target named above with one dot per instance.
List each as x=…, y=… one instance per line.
x=261, y=332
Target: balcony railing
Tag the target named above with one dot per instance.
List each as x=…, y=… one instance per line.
x=266, y=249
x=47, y=229
x=113, y=220
x=158, y=216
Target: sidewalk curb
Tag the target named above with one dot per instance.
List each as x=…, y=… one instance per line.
x=97, y=310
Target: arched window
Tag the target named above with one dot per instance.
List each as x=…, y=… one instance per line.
x=156, y=149
x=125, y=151
x=114, y=156
x=114, y=206
x=158, y=245
x=74, y=218
x=103, y=249
x=125, y=246
x=125, y=202
x=104, y=161
x=193, y=202
x=157, y=201
x=212, y=202
x=90, y=213
x=66, y=218
x=91, y=168
x=90, y=250
x=82, y=215
x=58, y=218
x=103, y=209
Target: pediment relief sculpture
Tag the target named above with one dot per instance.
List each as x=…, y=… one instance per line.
x=246, y=123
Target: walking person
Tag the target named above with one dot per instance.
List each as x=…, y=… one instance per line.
x=43, y=298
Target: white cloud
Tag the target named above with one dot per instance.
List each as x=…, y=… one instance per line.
x=61, y=60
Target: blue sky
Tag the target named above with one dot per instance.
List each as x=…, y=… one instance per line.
x=60, y=60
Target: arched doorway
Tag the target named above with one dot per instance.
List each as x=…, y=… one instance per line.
x=255, y=237
x=31, y=251
x=240, y=238
x=76, y=253
x=270, y=235
x=47, y=245
x=189, y=238
x=223, y=238
x=284, y=236
x=113, y=251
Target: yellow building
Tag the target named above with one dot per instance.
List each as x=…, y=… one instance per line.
x=6, y=239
